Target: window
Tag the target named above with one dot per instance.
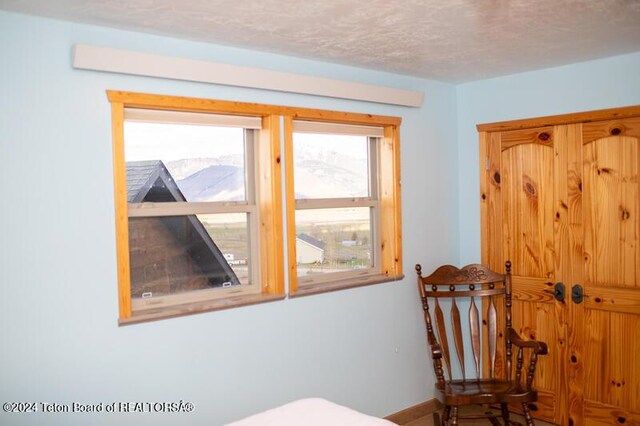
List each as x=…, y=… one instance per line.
x=191, y=206
x=335, y=190
x=199, y=203
x=343, y=205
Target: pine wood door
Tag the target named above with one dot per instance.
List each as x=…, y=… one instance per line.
x=562, y=203
x=608, y=321
x=519, y=202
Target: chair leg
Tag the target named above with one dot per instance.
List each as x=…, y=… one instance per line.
x=446, y=413
x=505, y=413
x=527, y=414
x=436, y=419
x=454, y=415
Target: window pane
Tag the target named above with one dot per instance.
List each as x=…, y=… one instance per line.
x=333, y=240
x=178, y=254
x=177, y=162
x=330, y=166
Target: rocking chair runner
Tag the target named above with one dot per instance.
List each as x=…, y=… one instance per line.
x=470, y=283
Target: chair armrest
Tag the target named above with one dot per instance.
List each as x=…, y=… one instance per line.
x=540, y=348
x=436, y=354
x=436, y=351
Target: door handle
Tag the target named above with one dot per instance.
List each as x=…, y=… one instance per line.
x=558, y=292
x=577, y=294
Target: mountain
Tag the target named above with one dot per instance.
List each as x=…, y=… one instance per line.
x=319, y=174
x=182, y=169
x=214, y=183
x=317, y=179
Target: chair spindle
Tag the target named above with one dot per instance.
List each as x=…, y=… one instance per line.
x=492, y=331
x=457, y=334
x=474, y=327
x=519, y=365
x=442, y=334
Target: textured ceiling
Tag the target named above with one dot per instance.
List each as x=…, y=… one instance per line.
x=447, y=40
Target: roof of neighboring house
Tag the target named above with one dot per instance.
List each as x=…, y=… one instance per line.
x=150, y=181
x=311, y=240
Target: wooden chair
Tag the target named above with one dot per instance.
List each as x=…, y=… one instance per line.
x=472, y=284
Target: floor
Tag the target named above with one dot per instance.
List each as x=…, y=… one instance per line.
x=428, y=420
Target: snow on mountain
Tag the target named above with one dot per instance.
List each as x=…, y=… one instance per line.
x=214, y=183
x=182, y=169
x=318, y=175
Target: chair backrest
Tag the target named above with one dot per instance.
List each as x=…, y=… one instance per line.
x=472, y=284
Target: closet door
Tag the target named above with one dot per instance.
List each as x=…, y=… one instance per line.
x=562, y=202
x=523, y=186
x=608, y=319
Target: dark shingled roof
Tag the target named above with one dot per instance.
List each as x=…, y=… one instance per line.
x=150, y=181
x=311, y=240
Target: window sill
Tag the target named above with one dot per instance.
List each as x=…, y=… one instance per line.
x=199, y=307
x=325, y=287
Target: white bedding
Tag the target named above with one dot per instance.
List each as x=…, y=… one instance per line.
x=311, y=412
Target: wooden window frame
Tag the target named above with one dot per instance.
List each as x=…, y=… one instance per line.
x=385, y=200
x=269, y=202
x=187, y=208
x=266, y=147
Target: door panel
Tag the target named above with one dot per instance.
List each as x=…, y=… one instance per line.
x=524, y=177
x=598, y=414
x=563, y=204
x=527, y=191
x=611, y=328
x=611, y=207
x=613, y=340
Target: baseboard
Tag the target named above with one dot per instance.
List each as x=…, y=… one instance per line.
x=412, y=413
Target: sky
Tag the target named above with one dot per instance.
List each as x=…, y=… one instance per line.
x=170, y=142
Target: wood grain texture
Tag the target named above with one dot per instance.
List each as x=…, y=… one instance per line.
x=290, y=203
x=533, y=289
x=531, y=321
x=612, y=299
x=612, y=255
x=445, y=282
x=386, y=200
x=570, y=266
x=629, y=127
x=528, y=209
x=390, y=203
x=474, y=330
x=442, y=337
x=599, y=414
x=457, y=336
x=484, y=195
x=529, y=217
x=270, y=206
x=544, y=408
x=492, y=238
x=611, y=210
x=624, y=356
x=122, y=220
x=553, y=120
x=597, y=367
x=539, y=136
x=143, y=100
x=492, y=334
x=594, y=198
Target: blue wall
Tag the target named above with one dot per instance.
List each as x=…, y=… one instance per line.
x=605, y=83
x=364, y=348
